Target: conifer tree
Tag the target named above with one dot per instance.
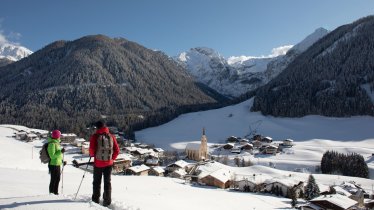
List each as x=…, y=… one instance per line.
x=311, y=189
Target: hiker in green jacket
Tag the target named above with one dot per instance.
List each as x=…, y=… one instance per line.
x=55, y=153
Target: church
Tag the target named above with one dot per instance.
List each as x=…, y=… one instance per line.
x=198, y=151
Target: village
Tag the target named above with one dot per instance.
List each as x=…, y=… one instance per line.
x=212, y=166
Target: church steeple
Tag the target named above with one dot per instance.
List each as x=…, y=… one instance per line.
x=203, y=151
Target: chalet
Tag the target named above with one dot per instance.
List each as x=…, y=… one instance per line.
x=120, y=165
x=232, y=139
x=156, y=171
x=177, y=165
x=287, y=142
x=298, y=189
x=277, y=187
x=271, y=149
x=243, y=141
x=245, y=185
x=220, y=178
x=79, y=141
x=159, y=151
x=42, y=134
x=228, y=146
x=334, y=201
x=85, y=148
x=267, y=140
x=68, y=137
x=141, y=170
x=257, y=137
x=31, y=137
x=256, y=143
x=179, y=173
x=247, y=147
x=21, y=135
x=152, y=161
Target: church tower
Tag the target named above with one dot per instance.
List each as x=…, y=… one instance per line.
x=203, y=151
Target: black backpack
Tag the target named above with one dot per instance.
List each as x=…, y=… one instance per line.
x=104, y=147
x=43, y=154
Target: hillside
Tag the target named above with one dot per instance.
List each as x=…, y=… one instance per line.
x=70, y=84
x=334, y=77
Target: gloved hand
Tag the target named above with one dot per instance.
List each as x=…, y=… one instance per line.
x=63, y=150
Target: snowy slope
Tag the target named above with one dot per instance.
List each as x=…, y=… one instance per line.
x=24, y=185
x=13, y=52
x=240, y=74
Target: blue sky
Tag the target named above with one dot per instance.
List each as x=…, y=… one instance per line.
x=232, y=27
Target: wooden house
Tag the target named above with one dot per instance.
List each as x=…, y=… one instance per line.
x=287, y=143
x=334, y=201
x=256, y=143
x=267, y=140
x=31, y=137
x=179, y=173
x=277, y=187
x=156, y=171
x=257, y=137
x=159, y=151
x=21, y=135
x=220, y=178
x=243, y=141
x=228, y=146
x=177, y=165
x=245, y=185
x=247, y=147
x=79, y=141
x=121, y=165
x=140, y=170
x=85, y=148
x=68, y=138
x=271, y=149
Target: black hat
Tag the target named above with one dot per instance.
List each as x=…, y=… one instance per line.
x=99, y=124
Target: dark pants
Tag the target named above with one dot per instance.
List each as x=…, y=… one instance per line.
x=55, y=172
x=107, y=195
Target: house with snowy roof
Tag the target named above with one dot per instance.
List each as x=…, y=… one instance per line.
x=179, y=173
x=220, y=178
x=334, y=201
x=198, y=151
x=156, y=171
x=140, y=170
x=177, y=165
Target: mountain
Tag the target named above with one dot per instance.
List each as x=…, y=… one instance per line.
x=70, y=84
x=5, y=61
x=13, y=52
x=237, y=75
x=334, y=77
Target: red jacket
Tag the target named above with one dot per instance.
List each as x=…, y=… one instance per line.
x=103, y=163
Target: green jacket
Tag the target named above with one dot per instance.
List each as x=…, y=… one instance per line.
x=54, y=151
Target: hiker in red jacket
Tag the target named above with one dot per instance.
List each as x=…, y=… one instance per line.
x=104, y=147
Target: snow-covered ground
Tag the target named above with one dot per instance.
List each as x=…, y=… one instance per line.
x=24, y=185
x=24, y=180
x=313, y=135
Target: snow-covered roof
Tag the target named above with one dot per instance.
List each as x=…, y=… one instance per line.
x=193, y=146
x=285, y=181
x=222, y=175
x=68, y=134
x=125, y=156
x=339, y=200
x=158, y=169
x=140, y=168
x=152, y=161
x=180, y=172
x=158, y=149
x=32, y=135
x=181, y=163
x=341, y=191
x=290, y=140
x=80, y=140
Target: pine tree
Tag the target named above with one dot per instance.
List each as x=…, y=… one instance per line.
x=311, y=189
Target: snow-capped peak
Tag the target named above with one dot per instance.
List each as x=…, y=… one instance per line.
x=311, y=39
x=13, y=52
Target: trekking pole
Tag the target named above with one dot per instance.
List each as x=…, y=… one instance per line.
x=82, y=179
x=62, y=174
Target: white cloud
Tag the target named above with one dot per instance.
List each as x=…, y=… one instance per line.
x=5, y=38
x=282, y=50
